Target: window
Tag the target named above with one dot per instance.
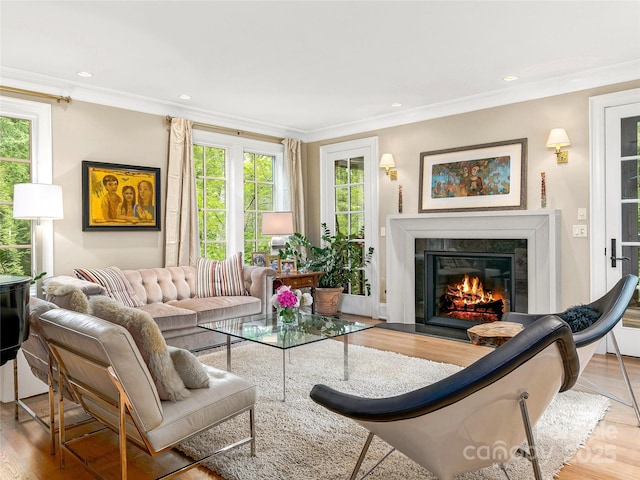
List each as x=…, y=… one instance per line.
x=259, y=188
x=15, y=167
x=348, y=205
x=211, y=188
x=224, y=167
x=25, y=156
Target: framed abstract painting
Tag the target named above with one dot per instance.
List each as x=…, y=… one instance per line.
x=490, y=176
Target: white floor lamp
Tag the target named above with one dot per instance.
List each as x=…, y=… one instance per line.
x=36, y=202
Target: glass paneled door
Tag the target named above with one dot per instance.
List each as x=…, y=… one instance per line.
x=623, y=212
x=349, y=196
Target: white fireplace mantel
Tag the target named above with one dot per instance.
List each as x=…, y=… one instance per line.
x=541, y=229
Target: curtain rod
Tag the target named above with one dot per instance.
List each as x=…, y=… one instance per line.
x=232, y=131
x=35, y=94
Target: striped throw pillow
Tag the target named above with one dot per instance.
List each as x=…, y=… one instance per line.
x=220, y=279
x=111, y=278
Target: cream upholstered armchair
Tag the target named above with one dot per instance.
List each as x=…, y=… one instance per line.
x=101, y=364
x=490, y=406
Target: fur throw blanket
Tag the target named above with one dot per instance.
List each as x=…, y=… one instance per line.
x=150, y=342
x=67, y=296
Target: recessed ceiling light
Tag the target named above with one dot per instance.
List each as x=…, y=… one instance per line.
x=396, y=104
x=510, y=78
x=184, y=97
x=85, y=74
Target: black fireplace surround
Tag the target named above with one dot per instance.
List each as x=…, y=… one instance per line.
x=464, y=282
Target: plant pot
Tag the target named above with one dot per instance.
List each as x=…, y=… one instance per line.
x=326, y=300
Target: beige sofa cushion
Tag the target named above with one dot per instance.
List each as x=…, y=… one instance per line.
x=219, y=308
x=150, y=342
x=170, y=317
x=158, y=285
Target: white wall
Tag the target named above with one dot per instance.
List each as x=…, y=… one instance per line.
x=84, y=131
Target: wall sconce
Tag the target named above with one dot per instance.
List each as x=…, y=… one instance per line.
x=387, y=162
x=278, y=225
x=558, y=138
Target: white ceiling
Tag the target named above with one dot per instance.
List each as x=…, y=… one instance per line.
x=315, y=69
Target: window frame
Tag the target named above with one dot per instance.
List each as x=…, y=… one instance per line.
x=39, y=114
x=235, y=148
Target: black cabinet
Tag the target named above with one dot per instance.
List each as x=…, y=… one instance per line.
x=14, y=314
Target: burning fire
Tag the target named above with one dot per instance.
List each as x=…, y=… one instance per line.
x=471, y=292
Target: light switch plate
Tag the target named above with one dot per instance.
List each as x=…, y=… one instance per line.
x=579, y=230
x=582, y=214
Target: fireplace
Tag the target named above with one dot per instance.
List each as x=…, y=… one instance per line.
x=465, y=289
x=463, y=282
x=537, y=273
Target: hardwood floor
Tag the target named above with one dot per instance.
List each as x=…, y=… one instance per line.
x=611, y=453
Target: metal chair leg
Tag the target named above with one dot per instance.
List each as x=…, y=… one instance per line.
x=532, y=456
x=634, y=403
x=589, y=385
x=363, y=453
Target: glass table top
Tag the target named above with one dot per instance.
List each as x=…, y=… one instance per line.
x=264, y=329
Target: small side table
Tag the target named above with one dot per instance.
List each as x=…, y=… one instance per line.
x=298, y=280
x=493, y=334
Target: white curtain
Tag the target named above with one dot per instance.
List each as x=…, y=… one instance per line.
x=181, y=221
x=293, y=176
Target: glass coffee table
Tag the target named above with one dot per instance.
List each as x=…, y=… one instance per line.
x=265, y=330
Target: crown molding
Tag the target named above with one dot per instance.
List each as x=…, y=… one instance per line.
x=513, y=94
x=113, y=98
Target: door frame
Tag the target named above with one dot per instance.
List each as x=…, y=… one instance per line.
x=348, y=148
x=597, y=173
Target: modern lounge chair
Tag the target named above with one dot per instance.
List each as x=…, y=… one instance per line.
x=100, y=362
x=611, y=306
x=490, y=406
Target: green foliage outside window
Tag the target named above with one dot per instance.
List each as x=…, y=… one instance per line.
x=259, y=192
x=211, y=192
x=211, y=195
x=349, y=219
x=15, y=167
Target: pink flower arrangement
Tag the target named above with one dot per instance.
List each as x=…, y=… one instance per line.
x=287, y=298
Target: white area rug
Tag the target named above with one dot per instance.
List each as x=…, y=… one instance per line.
x=299, y=439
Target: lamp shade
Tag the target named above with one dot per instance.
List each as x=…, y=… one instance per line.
x=386, y=161
x=277, y=223
x=558, y=138
x=37, y=201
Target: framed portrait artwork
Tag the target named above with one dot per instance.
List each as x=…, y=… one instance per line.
x=288, y=265
x=120, y=197
x=490, y=176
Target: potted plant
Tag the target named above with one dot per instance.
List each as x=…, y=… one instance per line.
x=340, y=257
